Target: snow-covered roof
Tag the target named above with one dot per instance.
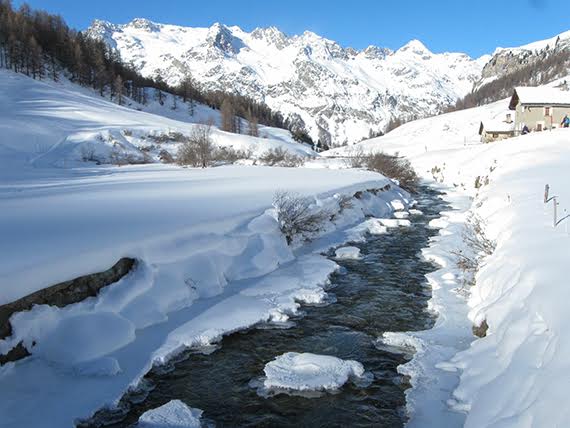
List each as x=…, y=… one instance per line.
x=541, y=95
x=496, y=125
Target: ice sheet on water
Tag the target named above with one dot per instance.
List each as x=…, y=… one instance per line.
x=294, y=371
x=174, y=414
x=352, y=253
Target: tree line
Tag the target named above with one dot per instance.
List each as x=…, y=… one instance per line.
x=42, y=46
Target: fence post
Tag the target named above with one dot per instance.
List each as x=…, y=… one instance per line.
x=546, y=193
x=555, y=211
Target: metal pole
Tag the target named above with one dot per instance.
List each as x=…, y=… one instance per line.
x=555, y=211
x=546, y=192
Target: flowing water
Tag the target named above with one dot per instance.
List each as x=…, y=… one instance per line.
x=384, y=291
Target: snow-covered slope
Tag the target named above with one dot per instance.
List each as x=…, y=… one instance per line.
x=47, y=124
x=517, y=376
x=337, y=93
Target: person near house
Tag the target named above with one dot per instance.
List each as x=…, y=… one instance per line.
x=525, y=130
x=565, y=122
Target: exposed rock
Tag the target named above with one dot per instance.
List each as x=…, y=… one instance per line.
x=481, y=330
x=60, y=295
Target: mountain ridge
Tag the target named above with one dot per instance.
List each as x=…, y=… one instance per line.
x=339, y=94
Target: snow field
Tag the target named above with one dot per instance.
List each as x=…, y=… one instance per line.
x=62, y=125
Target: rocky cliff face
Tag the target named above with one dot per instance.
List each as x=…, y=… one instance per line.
x=509, y=60
x=338, y=94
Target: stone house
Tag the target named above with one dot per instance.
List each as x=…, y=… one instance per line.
x=539, y=108
x=495, y=130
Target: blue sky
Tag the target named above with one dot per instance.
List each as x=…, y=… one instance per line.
x=472, y=26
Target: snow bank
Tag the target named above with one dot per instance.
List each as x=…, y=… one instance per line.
x=352, y=253
x=517, y=375
x=174, y=414
x=309, y=372
x=211, y=261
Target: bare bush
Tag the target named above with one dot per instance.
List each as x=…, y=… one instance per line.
x=297, y=216
x=394, y=167
x=88, y=154
x=478, y=247
x=356, y=158
x=231, y=155
x=165, y=156
x=170, y=137
x=281, y=157
x=198, y=149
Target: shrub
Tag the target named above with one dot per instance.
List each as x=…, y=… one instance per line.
x=230, y=155
x=478, y=247
x=198, y=149
x=281, y=157
x=356, y=158
x=297, y=216
x=394, y=167
x=165, y=156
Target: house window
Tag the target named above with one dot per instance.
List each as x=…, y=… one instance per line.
x=547, y=111
x=539, y=127
x=495, y=135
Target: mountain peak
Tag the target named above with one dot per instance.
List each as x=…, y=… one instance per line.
x=144, y=24
x=221, y=37
x=416, y=47
x=272, y=35
x=374, y=52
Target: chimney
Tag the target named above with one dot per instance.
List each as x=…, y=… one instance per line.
x=509, y=118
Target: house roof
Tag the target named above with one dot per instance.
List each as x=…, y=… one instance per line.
x=541, y=95
x=496, y=126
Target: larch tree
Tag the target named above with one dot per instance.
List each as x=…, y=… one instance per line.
x=228, y=116
x=118, y=88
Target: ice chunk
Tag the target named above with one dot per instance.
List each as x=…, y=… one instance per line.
x=397, y=205
x=395, y=222
x=310, y=372
x=352, y=253
x=401, y=214
x=174, y=414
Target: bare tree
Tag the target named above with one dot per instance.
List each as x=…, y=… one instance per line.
x=252, y=125
x=198, y=150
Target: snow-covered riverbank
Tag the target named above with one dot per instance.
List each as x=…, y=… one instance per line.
x=515, y=376
x=212, y=260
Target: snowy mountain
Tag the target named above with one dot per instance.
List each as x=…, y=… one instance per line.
x=339, y=94
x=509, y=60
